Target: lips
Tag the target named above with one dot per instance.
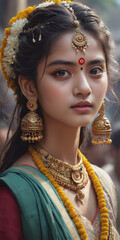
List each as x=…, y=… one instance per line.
x=82, y=104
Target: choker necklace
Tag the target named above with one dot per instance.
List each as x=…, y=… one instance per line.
x=104, y=216
x=72, y=177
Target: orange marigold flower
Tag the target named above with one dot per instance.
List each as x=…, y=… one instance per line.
x=104, y=210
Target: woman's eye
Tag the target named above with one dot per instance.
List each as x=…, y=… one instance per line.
x=62, y=74
x=96, y=72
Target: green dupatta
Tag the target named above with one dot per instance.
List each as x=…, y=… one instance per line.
x=43, y=214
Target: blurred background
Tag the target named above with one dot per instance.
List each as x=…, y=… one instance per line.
x=107, y=157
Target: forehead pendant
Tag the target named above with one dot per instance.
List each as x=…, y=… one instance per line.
x=79, y=41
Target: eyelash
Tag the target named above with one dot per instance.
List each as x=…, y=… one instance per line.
x=64, y=71
x=61, y=71
x=98, y=74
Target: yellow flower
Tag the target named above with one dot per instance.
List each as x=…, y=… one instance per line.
x=7, y=32
x=20, y=15
x=57, y=1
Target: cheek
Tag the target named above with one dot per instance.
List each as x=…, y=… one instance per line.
x=100, y=89
x=104, y=87
x=51, y=93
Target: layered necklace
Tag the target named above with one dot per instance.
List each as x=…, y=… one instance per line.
x=39, y=159
x=74, y=177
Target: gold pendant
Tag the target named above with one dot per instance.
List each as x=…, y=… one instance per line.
x=79, y=41
x=77, y=176
x=79, y=196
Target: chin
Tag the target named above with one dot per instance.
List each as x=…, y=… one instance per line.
x=84, y=123
x=80, y=124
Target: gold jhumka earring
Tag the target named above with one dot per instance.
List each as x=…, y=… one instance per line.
x=101, y=128
x=31, y=124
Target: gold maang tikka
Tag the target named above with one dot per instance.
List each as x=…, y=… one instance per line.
x=79, y=40
x=74, y=177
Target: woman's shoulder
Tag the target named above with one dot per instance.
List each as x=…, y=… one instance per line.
x=16, y=177
x=106, y=181
x=104, y=176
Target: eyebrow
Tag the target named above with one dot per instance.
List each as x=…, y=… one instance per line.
x=96, y=61
x=62, y=62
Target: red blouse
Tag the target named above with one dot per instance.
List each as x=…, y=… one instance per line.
x=10, y=216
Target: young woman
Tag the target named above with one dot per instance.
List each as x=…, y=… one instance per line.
x=56, y=58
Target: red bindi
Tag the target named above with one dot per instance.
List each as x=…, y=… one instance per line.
x=81, y=61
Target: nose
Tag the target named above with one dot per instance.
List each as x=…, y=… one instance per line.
x=81, y=85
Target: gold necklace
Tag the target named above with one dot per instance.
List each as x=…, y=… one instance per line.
x=72, y=177
x=104, y=217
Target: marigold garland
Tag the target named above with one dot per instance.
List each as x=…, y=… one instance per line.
x=68, y=205
x=100, y=197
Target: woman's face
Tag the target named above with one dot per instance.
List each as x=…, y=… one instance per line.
x=70, y=93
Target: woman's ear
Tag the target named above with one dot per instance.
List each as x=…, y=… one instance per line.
x=27, y=88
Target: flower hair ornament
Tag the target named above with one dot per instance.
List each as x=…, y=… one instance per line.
x=10, y=43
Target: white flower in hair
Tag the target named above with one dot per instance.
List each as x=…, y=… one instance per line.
x=45, y=4
x=12, y=45
x=18, y=26
x=11, y=48
x=65, y=3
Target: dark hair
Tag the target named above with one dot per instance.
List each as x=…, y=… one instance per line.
x=50, y=22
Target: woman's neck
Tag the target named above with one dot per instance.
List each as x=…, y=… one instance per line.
x=61, y=142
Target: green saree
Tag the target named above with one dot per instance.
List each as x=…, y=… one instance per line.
x=43, y=214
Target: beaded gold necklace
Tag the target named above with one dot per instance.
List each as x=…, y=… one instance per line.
x=104, y=218
x=72, y=177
